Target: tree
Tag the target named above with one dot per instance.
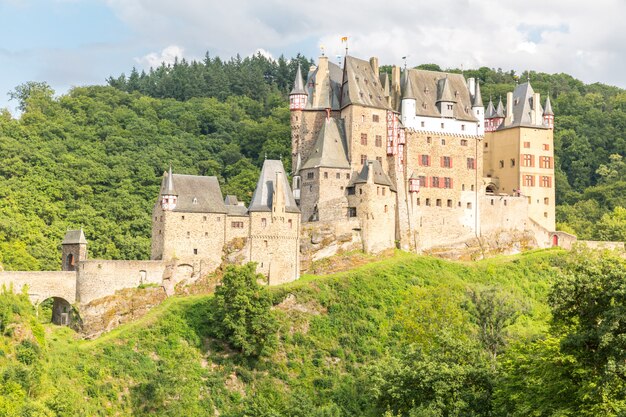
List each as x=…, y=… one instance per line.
x=23, y=92
x=243, y=315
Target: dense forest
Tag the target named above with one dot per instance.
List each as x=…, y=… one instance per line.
x=408, y=336
x=94, y=157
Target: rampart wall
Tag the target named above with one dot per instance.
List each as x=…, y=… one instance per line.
x=42, y=285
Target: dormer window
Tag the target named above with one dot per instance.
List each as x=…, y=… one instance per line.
x=195, y=200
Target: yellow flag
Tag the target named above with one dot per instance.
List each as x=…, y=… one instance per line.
x=344, y=39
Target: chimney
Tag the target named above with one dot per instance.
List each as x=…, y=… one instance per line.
x=374, y=65
x=278, y=200
x=509, y=109
x=537, y=113
x=395, y=80
x=471, y=85
x=370, y=172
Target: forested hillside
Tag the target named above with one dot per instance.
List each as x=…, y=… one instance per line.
x=408, y=336
x=94, y=157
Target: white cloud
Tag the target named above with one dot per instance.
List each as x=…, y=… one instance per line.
x=264, y=53
x=168, y=56
x=536, y=34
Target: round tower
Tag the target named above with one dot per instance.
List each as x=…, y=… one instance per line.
x=169, y=197
x=478, y=108
x=548, y=114
x=408, y=104
x=297, y=102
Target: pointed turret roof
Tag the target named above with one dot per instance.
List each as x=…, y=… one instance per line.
x=298, y=84
x=74, y=237
x=384, y=81
x=478, y=99
x=330, y=148
x=408, y=92
x=169, y=184
x=444, y=92
x=500, y=110
x=379, y=176
x=490, y=113
x=264, y=192
x=547, y=111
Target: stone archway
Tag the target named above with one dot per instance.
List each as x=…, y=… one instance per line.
x=57, y=310
x=490, y=189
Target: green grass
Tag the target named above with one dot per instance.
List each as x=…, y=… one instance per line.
x=166, y=364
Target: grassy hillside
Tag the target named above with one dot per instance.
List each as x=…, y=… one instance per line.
x=341, y=337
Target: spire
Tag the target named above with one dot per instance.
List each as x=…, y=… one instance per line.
x=444, y=92
x=547, y=109
x=169, y=183
x=298, y=84
x=490, y=113
x=478, y=99
x=408, y=88
x=500, y=110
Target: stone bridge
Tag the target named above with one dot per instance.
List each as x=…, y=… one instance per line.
x=42, y=285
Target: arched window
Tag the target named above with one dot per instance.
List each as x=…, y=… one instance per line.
x=70, y=261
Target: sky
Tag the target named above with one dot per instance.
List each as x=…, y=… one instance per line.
x=82, y=42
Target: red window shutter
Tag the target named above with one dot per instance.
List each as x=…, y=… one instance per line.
x=450, y=162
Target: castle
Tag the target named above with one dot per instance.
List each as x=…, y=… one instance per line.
x=412, y=160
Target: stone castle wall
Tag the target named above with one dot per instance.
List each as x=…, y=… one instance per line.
x=371, y=122
x=41, y=285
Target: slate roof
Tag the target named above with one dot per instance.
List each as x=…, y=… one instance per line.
x=298, y=84
x=169, y=185
x=380, y=177
x=330, y=150
x=548, y=109
x=73, y=237
x=491, y=111
x=500, y=110
x=425, y=85
x=326, y=88
x=197, y=194
x=478, y=99
x=361, y=85
x=233, y=208
x=262, y=197
x=523, y=106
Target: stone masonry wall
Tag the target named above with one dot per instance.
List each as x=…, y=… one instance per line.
x=42, y=285
x=371, y=122
x=327, y=191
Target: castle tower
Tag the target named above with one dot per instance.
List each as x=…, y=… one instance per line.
x=169, y=198
x=548, y=114
x=519, y=154
x=297, y=103
x=408, y=100
x=478, y=107
x=74, y=249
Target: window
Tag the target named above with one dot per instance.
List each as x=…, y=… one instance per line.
x=545, y=214
x=195, y=251
x=462, y=187
x=204, y=218
x=546, y=147
x=443, y=141
x=526, y=144
x=529, y=180
x=469, y=205
x=350, y=190
x=338, y=176
x=325, y=175
x=501, y=164
x=546, y=181
x=236, y=225
x=379, y=141
x=472, y=187
x=348, y=176
x=379, y=159
x=429, y=140
x=428, y=202
x=463, y=142
x=375, y=118
x=438, y=203
x=265, y=243
x=446, y=162
x=462, y=127
x=363, y=138
x=447, y=182
x=351, y=211
x=417, y=201
x=545, y=162
x=290, y=223
x=195, y=201
x=425, y=160
x=363, y=159
x=188, y=234
x=546, y=201
x=471, y=163
x=449, y=203
x=422, y=180
x=528, y=160
x=434, y=181
x=422, y=124
x=206, y=234
x=443, y=125
x=449, y=106
x=512, y=162
x=362, y=116
x=182, y=217
x=310, y=175
x=264, y=222
x=386, y=208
